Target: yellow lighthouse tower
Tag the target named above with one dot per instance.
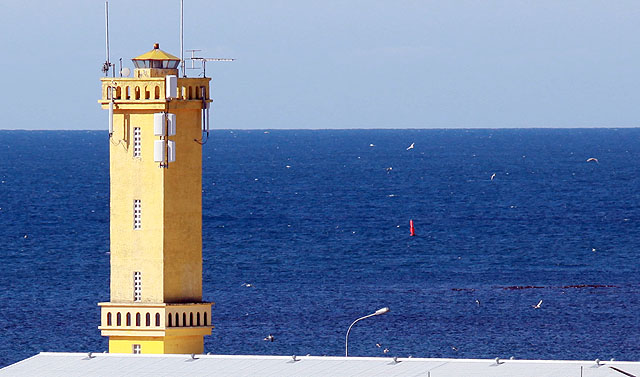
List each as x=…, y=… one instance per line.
x=156, y=122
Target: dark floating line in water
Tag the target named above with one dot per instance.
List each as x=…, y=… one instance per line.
x=591, y=286
x=520, y=287
x=517, y=287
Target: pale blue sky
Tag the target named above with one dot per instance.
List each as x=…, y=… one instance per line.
x=339, y=64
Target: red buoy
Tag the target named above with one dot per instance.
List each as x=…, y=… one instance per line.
x=411, y=229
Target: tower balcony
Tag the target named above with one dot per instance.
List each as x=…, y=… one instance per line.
x=155, y=320
x=150, y=92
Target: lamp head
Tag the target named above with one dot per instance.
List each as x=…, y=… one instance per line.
x=381, y=311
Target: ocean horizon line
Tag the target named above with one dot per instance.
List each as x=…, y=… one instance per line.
x=358, y=128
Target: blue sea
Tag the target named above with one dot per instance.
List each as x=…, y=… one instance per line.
x=318, y=223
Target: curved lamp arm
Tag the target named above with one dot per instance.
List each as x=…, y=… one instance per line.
x=346, y=342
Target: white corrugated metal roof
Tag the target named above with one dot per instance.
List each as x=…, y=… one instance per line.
x=104, y=364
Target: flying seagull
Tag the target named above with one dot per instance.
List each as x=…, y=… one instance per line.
x=269, y=338
x=411, y=146
x=592, y=159
x=493, y=176
x=538, y=305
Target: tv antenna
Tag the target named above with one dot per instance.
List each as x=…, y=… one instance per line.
x=203, y=61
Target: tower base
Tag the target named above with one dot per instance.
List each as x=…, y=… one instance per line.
x=156, y=328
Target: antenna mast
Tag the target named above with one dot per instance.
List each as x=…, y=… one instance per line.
x=182, y=38
x=107, y=64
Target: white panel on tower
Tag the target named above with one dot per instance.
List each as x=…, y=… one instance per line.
x=172, y=151
x=171, y=86
x=171, y=124
x=110, y=118
x=158, y=151
x=158, y=124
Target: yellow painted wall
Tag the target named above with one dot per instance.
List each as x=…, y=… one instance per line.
x=183, y=213
x=176, y=344
x=136, y=178
x=184, y=344
x=125, y=344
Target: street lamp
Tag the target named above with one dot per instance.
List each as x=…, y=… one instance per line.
x=377, y=312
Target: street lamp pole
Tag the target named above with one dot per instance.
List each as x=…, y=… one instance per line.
x=346, y=342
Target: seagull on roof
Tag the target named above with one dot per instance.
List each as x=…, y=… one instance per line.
x=411, y=146
x=592, y=159
x=538, y=305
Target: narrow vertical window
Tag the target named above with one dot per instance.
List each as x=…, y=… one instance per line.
x=118, y=319
x=205, y=319
x=137, y=349
x=191, y=319
x=137, y=214
x=184, y=319
x=138, y=319
x=169, y=324
x=109, y=319
x=148, y=319
x=158, y=319
x=136, y=142
x=128, y=319
x=198, y=319
x=137, y=286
